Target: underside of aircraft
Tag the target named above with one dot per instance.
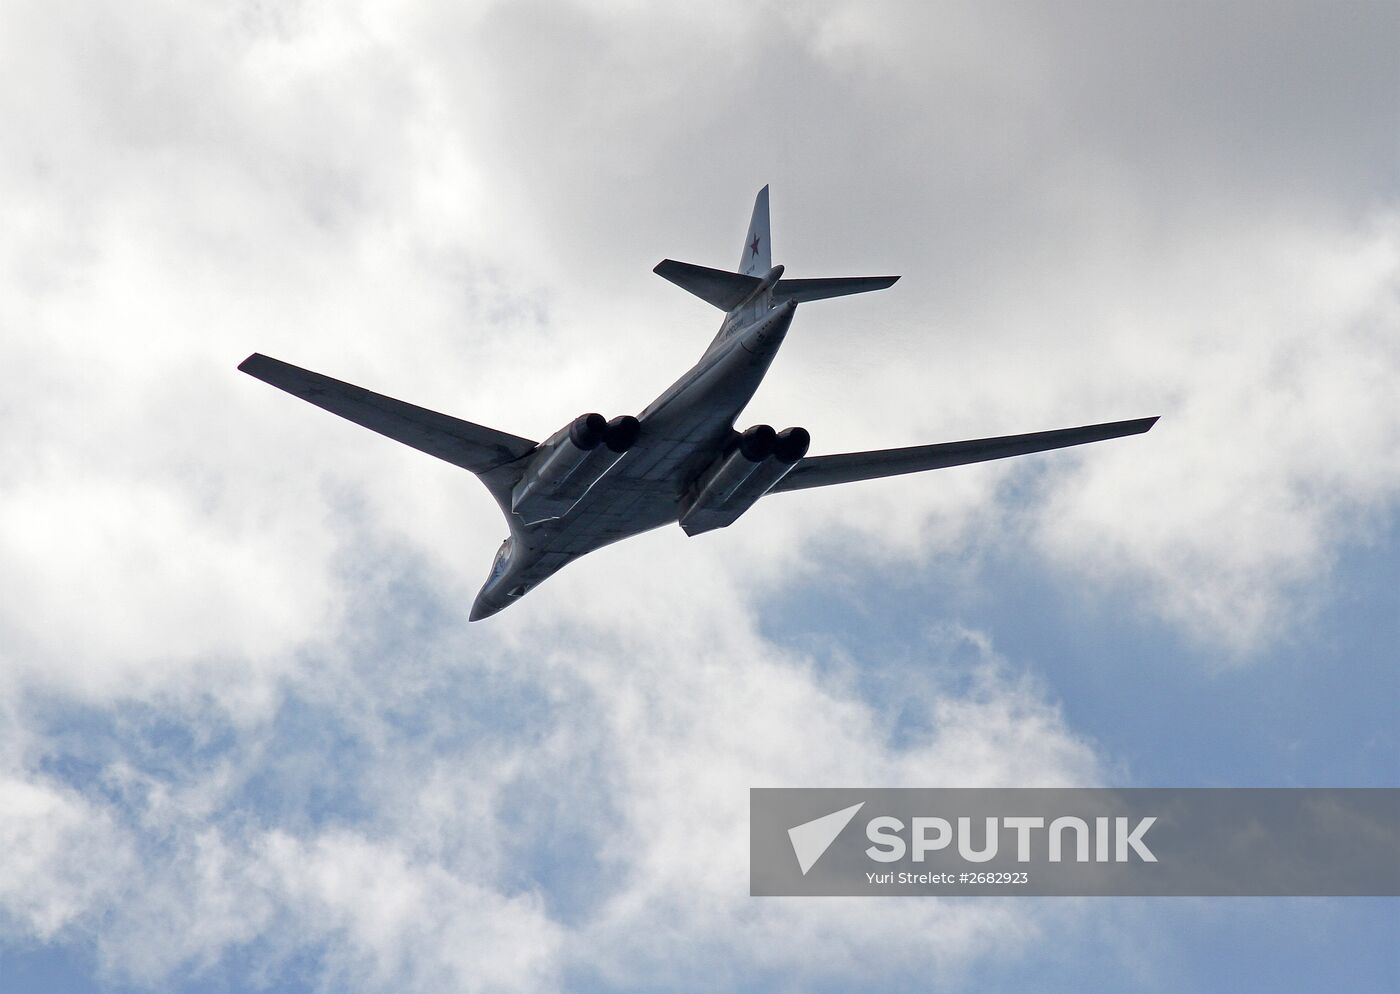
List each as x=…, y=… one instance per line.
x=596, y=481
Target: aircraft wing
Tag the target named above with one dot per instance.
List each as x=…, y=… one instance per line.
x=471, y=446
x=823, y=471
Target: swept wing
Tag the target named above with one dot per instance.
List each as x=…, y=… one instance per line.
x=474, y=447
x=823, y=471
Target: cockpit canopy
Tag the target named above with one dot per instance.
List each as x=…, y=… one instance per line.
x=502, y=560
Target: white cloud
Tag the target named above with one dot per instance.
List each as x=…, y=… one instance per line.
x=64, y=857
x=1278, y=451
x=341, y=192
x=601, y=836
x=459, y=206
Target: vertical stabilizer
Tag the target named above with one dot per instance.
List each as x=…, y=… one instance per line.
x=758, y=255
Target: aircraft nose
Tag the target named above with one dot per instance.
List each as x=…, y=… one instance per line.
x=483, y=608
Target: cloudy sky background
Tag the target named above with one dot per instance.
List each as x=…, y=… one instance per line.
x=246, y=737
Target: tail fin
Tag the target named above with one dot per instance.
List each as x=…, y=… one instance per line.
x=757, y=257
x=752, y=289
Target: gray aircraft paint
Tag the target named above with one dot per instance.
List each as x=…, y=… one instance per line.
x=683, y=434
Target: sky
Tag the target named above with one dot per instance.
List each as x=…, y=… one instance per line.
x=248, y=740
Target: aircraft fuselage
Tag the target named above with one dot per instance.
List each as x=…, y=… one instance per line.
x=683, y=432
x=595, y=481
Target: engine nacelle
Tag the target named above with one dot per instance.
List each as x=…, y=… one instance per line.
x=574, y=458
x=736, y=481
x=730, y=472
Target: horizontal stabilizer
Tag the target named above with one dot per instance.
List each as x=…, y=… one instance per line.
x=473, y=447
x=714, y=286
x=822, y=471
x=804, y=290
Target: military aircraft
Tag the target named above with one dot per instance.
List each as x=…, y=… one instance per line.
x=596, y=481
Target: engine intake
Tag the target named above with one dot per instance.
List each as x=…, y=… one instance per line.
x=756, y=444
x=570, y=462
x=587, y=431
x=736, y=481
x=621, y=432
x=791, y=445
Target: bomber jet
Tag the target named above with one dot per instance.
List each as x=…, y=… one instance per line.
x=596, y=481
